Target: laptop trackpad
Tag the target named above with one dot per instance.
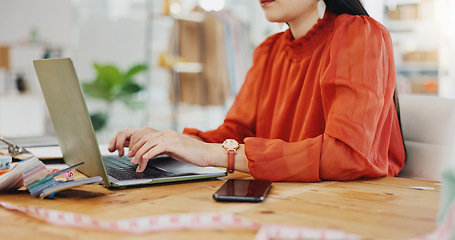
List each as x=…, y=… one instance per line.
x=177, y=167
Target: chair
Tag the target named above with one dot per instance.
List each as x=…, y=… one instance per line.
x=428, y=125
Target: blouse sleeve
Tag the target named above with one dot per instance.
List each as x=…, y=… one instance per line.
x=357, y=86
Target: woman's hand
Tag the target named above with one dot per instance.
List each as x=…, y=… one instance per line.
x=146, y=143
x=174, y=144
x=125, y=138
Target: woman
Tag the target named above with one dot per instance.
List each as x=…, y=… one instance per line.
x=317, y=104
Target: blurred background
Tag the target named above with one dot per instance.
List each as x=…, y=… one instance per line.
x=172, y=64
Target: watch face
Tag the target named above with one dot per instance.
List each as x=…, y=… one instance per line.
x=230, y=144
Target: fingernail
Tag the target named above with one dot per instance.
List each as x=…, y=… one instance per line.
x=139, y=168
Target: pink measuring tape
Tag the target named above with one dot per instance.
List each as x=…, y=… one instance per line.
x=206, y=221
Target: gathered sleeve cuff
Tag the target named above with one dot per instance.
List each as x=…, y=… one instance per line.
x=276, y=160
x=311, y=160
x=214, y=136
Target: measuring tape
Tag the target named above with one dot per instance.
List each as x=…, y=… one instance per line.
x=206, y=221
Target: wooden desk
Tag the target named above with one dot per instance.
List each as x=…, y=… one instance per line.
x=380, y=208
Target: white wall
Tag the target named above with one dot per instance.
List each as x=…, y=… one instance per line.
x=375, y=9
x=50, y=19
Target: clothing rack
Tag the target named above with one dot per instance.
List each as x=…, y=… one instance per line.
x=212, y=54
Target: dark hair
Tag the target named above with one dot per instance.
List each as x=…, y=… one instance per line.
x=353, y=7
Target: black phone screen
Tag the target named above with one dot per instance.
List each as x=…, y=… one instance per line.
x=241, y=190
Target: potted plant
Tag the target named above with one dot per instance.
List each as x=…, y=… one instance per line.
x=112, y=84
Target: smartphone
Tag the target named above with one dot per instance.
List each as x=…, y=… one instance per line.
x=241, y=190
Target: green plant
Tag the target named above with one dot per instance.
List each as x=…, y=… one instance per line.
x=112, y=84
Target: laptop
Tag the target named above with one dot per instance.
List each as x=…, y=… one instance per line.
x=77, y=139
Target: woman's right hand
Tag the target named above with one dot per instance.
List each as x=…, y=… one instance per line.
x=127, y=138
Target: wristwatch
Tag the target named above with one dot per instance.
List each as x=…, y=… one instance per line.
x=231, y=147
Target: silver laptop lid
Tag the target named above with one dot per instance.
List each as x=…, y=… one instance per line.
x=70, y=116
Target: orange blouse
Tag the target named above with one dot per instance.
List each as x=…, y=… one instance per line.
x=319, y=107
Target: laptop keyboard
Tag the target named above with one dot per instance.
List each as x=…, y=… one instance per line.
x=121, y=169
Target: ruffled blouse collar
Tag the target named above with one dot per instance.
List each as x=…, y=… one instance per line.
x=316, y=36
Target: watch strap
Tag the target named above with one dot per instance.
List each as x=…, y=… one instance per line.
x=231, y=160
